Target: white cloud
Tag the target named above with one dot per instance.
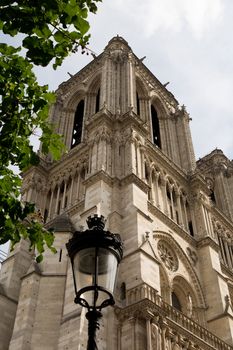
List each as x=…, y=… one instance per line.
x=202, y=14
x=197, y=15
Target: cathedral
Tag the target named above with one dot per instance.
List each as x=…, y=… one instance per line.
x=129, y=158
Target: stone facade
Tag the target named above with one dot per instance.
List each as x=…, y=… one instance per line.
x=130, y=158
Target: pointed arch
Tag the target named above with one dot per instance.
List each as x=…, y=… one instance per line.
x=141, y=98
x=160, y=107
x=95, y=83
x=97, y=101
x=158, y=121
x=186, y=296
x=141, y=89
x=78, y=124
x=94, y=95
x=176, y=301
x=155, y=127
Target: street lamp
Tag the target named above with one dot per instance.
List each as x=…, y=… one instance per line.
x=95, y=255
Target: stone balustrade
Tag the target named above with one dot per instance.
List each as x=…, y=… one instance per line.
x=144, y=298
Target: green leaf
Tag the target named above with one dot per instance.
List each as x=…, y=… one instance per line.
x=59, y=36
x=39, y=258
x=82, y=25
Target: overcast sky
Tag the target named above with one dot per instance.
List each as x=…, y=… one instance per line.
x=186, y=42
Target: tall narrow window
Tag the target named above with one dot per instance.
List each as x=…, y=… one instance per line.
x=45, y=215
x=190, y=224
x=212, y=196
x=155, y=127
x=97, y=102
x=138, y=104
x=78, y=123
x=175, y=302
x=147, y=176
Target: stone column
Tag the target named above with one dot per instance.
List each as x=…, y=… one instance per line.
x=119, y=328
x=152, y=186
x=172, y=204
x=230, y=250
x=185, y=213
x=133, y=157
x=77, y=186
x=148, y=316
x=104, y=154
x=90, y=156
x=57, y=199
x=148, y=334
x=64, y=195
x=222, y=249
x=142, y=163
x=71, y=189
x=50, y=204
x=225, y=242
x=179, y=209
x=139, y=164
x=164, y=191
x=131, y=321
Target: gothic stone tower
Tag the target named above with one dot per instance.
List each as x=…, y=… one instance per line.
x=130, y=158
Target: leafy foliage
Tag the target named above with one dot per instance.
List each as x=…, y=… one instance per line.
x=51, y=30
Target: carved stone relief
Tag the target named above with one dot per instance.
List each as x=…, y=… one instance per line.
x=156, y=337
x=192, y=255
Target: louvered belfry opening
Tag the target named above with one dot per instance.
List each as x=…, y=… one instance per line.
x=155, y=127
x=78, y=123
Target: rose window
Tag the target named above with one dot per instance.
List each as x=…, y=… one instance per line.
x=167, y=256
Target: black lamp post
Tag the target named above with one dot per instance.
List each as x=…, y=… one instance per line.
x=95, y=255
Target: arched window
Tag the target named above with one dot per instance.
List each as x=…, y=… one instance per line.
x=190, y=224
x=155, y=127
x=212, y=196
x=175, y=302
x=97, y=102
x=78, y=123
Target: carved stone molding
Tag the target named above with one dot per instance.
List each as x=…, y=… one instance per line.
x=98, y=176
x=132, y=178
x=208, y=241
x=104, y=115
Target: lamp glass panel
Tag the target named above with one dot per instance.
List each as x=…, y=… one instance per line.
x=84, y=269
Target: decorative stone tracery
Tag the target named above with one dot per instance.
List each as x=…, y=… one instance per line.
x=167, y=255
x=198, y=295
